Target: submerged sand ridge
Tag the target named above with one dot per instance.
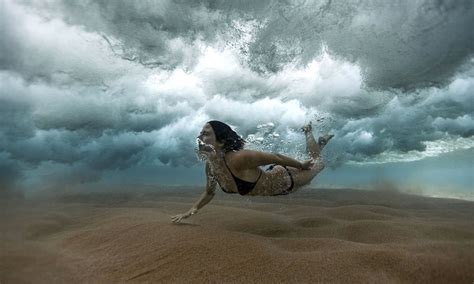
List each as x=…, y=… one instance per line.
x=314, y=235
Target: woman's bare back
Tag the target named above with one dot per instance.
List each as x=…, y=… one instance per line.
x=273, y=181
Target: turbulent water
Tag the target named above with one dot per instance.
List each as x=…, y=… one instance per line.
x=113, y=92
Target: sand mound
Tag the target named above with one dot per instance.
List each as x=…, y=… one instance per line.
x=321, y=237
x=314, y=222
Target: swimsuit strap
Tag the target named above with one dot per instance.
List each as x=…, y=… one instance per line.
x=291, y=178
x=228, y=167
x=240, y=178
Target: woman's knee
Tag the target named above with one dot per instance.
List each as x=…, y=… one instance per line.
x=318, y=165
x=303, y=178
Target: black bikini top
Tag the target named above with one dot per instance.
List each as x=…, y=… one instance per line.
x=243, y=186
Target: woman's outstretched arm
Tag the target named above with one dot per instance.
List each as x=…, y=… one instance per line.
x=205, y=198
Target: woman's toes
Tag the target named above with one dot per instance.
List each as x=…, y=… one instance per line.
x=307, y=128
x=323, y=140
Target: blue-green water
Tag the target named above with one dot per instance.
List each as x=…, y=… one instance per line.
x=117, y=91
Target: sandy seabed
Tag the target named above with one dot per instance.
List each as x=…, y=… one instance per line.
x=316, y=235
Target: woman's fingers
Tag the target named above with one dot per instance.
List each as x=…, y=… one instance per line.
x=179, y=217
x=176, y=218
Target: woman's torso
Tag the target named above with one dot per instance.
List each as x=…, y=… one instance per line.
x=269, y=182
x=230, y=177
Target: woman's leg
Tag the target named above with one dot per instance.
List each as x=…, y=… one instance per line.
x=312, y=147
x=304, y=177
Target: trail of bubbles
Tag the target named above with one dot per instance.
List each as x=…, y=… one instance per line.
x=203, y=151
x=291, y=141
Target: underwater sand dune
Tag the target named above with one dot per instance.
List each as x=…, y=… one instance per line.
x=314, y=235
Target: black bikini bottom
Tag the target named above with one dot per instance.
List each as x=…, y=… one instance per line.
x=291, y=178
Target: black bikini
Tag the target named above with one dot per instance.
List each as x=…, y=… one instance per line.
x=285, y=192
x=243, y=186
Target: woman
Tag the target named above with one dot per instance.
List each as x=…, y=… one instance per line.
x=237, y=170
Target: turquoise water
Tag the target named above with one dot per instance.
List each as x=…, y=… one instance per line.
x=118, y=91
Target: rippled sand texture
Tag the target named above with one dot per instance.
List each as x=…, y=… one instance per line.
x=313, y=235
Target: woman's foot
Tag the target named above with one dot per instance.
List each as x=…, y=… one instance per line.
x=323, y=140
x=307, y=128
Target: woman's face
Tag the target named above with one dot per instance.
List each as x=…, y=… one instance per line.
x=208, y=137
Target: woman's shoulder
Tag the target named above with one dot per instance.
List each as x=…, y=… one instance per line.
x=245, y=153
x=240, y=154
x=240, y=159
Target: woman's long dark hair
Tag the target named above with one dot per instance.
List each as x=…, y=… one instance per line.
x=224, y=134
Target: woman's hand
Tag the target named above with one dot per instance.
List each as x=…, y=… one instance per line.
x=177, y=218
x=306, y=165
x=205, y=151
x=206, y=148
